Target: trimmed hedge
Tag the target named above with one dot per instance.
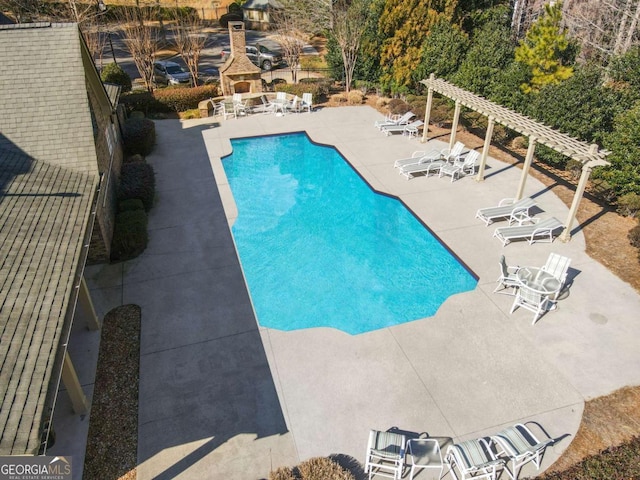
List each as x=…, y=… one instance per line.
x=169, y=99
x=318, y=90
x=137, y=181
x=130, y=205
x=130, y=235
x=139, y=136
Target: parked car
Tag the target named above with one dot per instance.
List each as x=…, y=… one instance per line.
x=260, y=55
x=170, y=73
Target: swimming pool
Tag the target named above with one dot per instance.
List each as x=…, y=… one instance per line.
x=319, y=247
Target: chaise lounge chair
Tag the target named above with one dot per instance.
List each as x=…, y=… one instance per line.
x=389, y=129
x=507, y=208
x=394, y=120
x=530, y=233
x=410, y=171
x=418, y=157
x=473, y=459
x=520, y=446
x=460, y=166
x=385, y=454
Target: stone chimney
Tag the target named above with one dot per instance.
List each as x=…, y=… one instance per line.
x=239, y=74
x=237, y=38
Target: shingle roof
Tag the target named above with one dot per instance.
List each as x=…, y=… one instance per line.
x=48, y=179
x=44, y=213
x=43, y=95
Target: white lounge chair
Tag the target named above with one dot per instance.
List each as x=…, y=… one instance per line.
x=473, y=459
x=452, y=154
x=394, y=120
x=385, y=454
x=410, y=171
x=558, y=266
x=265, y=107
x=520, y=446
x=507, y=279
x=293, y=105
x=417, y=157
x=507, y=208
x=460, y=166
x=389, y=129
x=541, y=231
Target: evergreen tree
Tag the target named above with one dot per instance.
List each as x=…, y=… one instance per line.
x=442, y=51
x=544, y=50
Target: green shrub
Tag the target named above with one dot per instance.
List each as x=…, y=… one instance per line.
x=142, y=102
x=130, y=235
x=634, y=236
x=134, y=158
x=180, y=99
x=322, y=468
x=139, y=136
x=113, y=73
x=137, y=181
x=574, y=167
x=130, y=205
x=629, y=204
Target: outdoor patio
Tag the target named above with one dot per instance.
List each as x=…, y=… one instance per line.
x=221, y=397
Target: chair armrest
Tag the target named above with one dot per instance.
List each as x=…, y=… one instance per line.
x=506, y=201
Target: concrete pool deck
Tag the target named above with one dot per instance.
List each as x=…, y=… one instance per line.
x=221, y=397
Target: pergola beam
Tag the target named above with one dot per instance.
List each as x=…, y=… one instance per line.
x=589, y=155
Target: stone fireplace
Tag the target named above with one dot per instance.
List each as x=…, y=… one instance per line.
x=239, y=74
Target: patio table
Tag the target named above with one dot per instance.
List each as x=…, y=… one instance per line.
x=535, y=278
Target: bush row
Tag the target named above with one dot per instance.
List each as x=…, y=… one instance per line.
x=135, y=198
x=167, y=100
x=319, y=89
x=139, y=136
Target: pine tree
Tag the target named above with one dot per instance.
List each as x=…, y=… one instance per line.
x=542, y=50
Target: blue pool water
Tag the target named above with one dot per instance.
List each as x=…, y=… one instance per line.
x=320, y=248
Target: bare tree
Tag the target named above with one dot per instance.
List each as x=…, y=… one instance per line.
x=96, y=37
x=22, y=10
x=142, y=41
x=349, y=20
x=190, y=41
x=295, y=22
x=604, y=28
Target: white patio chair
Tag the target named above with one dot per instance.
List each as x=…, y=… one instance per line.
x=473, y=459
x=424, y=453
x=460, y=166
x=307, y=102
x=558, y=266
x=452, y=154
x=385, y=454
x=520, y=446
x=532, y=300
x=507, y=279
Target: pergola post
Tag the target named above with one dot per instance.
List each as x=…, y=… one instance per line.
x=485, y=149
x=427, y=113
x=565, y=236
x=454, y=125
x=525, y=168
x=84, y=297
x=74, y=389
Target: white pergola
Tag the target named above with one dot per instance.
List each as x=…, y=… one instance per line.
x=589, y=155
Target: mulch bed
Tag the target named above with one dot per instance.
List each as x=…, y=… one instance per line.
x=112, y=441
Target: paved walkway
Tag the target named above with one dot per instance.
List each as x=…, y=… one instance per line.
x=222, y=398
